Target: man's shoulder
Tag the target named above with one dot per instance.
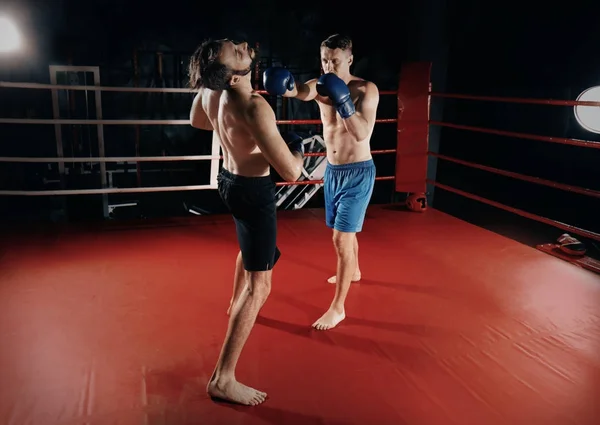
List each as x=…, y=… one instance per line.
x=206, y=92
x=362, y=82
x=255, y=105
x=365, y=86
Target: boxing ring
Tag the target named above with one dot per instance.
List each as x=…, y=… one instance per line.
x=122, y=322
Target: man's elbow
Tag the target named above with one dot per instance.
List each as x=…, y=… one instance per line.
x=292, y=175
x=201, y=125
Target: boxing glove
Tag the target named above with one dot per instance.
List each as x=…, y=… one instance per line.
x=277, y=81
x=333, y=87
x=294, y=142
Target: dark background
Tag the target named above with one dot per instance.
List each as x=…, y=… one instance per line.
x=520, y=49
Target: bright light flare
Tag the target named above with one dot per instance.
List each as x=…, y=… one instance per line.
x=589, y=116
x=10, y=39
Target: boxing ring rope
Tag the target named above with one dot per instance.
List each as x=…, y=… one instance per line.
x=549, y=183
x=148, y=189
x=8, y=84
x=561, y=140
x=404, y=152
x=516, y=100
x=148, y=158
x=544, y=182
x=145, y=122
x=557, y=224
x=98, y=88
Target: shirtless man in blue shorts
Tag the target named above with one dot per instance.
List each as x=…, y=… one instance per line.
x=244, y=124
x=348, y=107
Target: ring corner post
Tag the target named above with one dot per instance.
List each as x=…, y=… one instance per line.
x=413, y=127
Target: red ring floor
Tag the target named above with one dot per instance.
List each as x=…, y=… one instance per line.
x=451, y=324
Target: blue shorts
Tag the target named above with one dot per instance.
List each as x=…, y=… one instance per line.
x=348, y=189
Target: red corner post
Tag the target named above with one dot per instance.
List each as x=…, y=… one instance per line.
x=413, y=127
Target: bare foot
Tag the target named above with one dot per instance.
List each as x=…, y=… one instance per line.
x=355, y=278
x=236, y=392
x=329, y=320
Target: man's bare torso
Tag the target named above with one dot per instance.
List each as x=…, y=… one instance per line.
x=226, y=111
x=342, y=148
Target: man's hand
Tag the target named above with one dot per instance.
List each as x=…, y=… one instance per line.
x=295, y=143
x=333, y=87
x=277, y=81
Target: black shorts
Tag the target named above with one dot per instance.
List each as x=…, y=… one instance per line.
x=251, y=201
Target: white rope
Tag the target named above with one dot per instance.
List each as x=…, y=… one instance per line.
x=105, y=122
x=113, y=159
x=8, y=84
x=103, y=191
x=140, y=122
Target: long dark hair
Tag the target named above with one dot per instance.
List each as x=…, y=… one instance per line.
x=205, y=70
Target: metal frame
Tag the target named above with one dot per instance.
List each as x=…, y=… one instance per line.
x=95, y=70
x=295, y=197
x=312, y=172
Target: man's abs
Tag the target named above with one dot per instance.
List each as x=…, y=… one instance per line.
x=342, y=148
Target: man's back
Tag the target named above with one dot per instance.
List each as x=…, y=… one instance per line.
x=228, y=112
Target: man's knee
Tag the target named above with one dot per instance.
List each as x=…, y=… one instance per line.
x=260, y=284
x=343, y=241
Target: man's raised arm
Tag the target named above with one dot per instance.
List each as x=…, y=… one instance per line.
x=358, y=120
x=198, y=117
x=362, y=122
x=280, y=82
x=286, y=156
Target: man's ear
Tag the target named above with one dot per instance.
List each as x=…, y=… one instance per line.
x=234, y=80
x=350, y=60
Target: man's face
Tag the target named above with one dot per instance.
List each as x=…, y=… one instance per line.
x=335, y=61
x=237, y=57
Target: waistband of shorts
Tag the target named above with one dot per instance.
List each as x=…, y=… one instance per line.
x=236, y=178
x=351, y=165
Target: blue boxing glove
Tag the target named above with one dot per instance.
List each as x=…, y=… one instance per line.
x=278, y=80
x=295, y=143
x=333, y=87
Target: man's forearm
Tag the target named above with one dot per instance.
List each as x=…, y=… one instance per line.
x=357, y=126
x=301, y=91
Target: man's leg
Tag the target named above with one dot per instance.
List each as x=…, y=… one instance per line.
x=344, y=243
x=240, y=280
x=356, y=276
x=254, y=211
x=354, y=189
x=222, y=383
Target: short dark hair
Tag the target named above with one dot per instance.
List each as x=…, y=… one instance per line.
x=205, y=70
x=338, y=41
